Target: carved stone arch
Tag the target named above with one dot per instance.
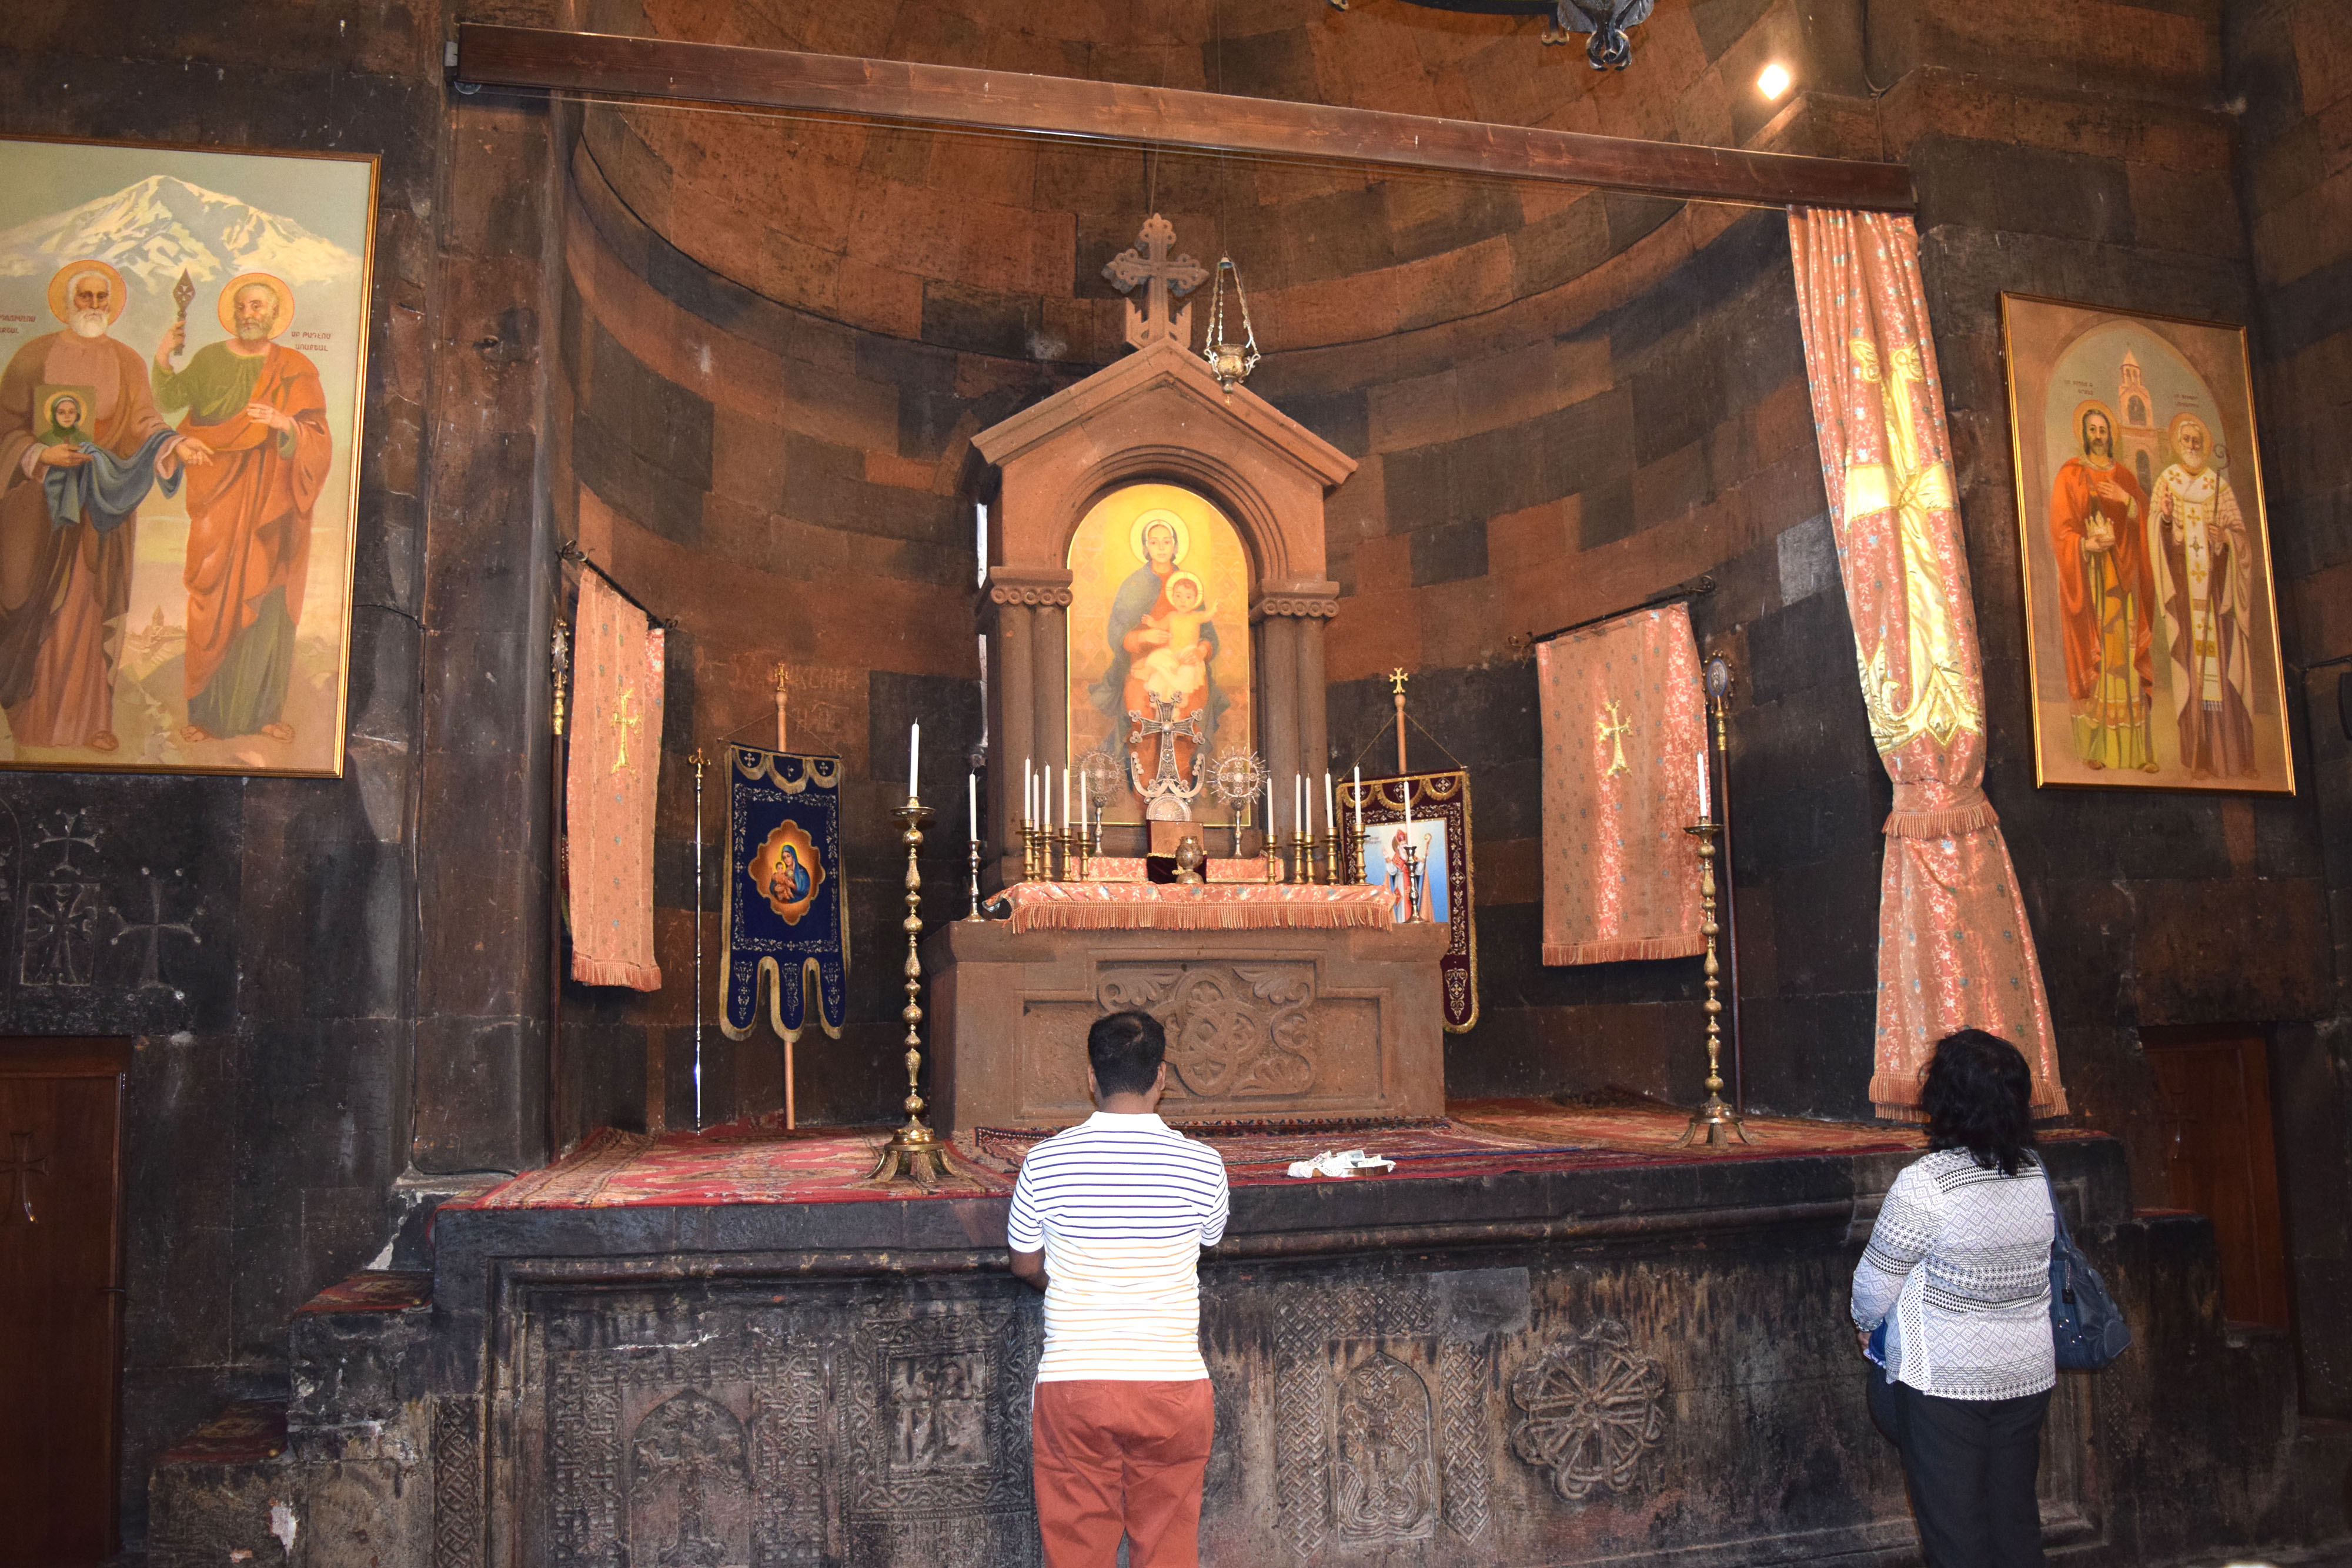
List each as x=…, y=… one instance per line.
x=1212, y=478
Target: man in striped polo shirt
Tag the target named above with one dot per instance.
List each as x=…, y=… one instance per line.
x=1108, y=1220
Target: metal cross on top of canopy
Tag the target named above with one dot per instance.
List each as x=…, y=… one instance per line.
x=1166, y=281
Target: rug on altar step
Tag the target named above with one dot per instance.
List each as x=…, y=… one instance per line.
x=757, y=1161
x=745, y=1162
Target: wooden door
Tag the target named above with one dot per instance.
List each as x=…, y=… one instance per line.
x=2214, y=1098
x=60, y=1299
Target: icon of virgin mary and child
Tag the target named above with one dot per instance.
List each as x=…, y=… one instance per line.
x=1163, y=647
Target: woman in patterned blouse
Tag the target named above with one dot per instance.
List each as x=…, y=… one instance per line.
x=1958, y=1269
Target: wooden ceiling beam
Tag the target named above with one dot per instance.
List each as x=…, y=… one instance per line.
x=607, y=66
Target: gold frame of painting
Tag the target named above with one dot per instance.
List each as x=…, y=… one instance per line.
x=2116, y=630
x=308, y=272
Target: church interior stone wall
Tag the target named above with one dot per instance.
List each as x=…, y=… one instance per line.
x=741, y=361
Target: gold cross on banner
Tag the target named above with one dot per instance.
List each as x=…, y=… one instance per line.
x=1613, y=730
x=624, y=721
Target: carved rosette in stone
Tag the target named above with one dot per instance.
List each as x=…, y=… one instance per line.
x=1237, y=1031
x=1593, y=1405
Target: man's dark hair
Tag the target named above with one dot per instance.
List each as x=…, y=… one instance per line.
x=1977, y=1097
x=1125, y=1049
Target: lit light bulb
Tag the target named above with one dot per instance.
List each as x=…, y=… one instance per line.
x=1774, y=81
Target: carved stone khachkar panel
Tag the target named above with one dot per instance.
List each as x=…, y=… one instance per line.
x=1232, y=1030
x=1592, y=1406
x=935, y=1435
x=457, y=1483
x=1378, y=1430
x=694, y=1454
x=843, y=1428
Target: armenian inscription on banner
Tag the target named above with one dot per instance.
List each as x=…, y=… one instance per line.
x=184, y=340
x=1624, y=730
x=786, y=913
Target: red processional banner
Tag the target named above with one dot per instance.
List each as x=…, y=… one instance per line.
x=608, y=796
x=1624, y=741
x=1954, y=948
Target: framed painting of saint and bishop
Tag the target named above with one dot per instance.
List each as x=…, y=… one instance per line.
x=183, y=342
x=2151, y=621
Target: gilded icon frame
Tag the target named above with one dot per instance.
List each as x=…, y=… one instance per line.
x=2105, y=713
x=303, y=224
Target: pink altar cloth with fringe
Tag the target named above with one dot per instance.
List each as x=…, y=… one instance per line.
x=1209, y=906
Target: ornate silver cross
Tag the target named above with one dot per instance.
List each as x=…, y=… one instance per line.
x=1167, y=797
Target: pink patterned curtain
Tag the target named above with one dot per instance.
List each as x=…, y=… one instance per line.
x=1954, y=948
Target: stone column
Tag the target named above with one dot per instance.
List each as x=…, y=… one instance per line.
x=1297, y=725
x=1011, y=693
x=1313, y=721
x=1051, y=639
x=1032, y=673
x=1278, y=649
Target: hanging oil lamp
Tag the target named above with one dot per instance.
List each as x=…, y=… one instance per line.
x=1231, y=363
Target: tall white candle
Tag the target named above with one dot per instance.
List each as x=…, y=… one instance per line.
x=1330, y=817
x=972, y=805
x=1704, y=815
x=914, y=754
x=1299, y=805
x=1269, y=813
x=1065, y=796
x=1359, y=802
x=1028, y=790
x=1408, y=808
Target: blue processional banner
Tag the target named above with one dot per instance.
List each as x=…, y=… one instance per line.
x=787, y=914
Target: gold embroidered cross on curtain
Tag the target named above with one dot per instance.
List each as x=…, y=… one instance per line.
x=1954, y=947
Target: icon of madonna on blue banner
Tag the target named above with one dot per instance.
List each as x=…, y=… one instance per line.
x=787, y=914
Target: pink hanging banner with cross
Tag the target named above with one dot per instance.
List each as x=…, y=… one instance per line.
x=609, y=793
x=1624, y=736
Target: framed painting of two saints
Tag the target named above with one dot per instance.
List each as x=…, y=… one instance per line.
x=183, y=351
x=2151, y=621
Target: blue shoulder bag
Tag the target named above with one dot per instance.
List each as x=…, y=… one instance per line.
x=2086, y=1328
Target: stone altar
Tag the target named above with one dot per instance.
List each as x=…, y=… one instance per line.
x=1270, y=1024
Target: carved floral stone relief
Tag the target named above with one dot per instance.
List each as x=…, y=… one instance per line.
x=1234, y=1031
x=1592, y=1406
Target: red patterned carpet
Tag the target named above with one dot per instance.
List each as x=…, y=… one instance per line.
x=759, y=1162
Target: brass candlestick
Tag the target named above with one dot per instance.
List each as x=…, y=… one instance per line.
x=975, y=917
x=1331, y=858
x=1079, y=849
x=914, y=1152
x=1714, y=1122
x=1028, y=851
x=1412, y=858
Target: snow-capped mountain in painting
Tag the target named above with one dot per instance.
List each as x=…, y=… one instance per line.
x=154, y=229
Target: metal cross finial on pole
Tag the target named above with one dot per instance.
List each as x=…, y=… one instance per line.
x=1396, y=678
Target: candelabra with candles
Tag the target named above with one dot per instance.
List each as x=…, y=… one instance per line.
x=914, y=1152
x=1412, y=856
x=1715, y=1123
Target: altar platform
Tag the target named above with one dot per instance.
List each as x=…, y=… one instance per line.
x=1543, y=1340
